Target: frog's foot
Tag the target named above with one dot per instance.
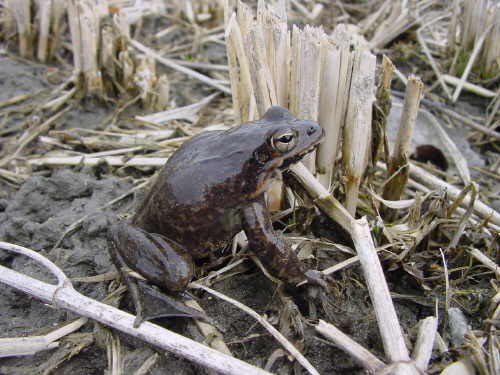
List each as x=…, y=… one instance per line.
x=291, y=321
x=215, y=262
x=316, y=277
x=156, y=304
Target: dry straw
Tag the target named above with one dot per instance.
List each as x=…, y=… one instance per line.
x=478, y=38
x=103, y=65
x=398, y=169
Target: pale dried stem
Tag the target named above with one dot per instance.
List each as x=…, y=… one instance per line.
x=369, y=22
x=403, y=15
x=491, y=51
x=467, y=86
x=397, y=168
x=357, y=135
x=425, y=342
x=65, y=297
x=262, y=83
x=76, y=38
x=434, y=66
x=493, y=112
x=456, y=194
x=369, y=362
x=115, y=161
x=390, y=330
x=452, y=26
x=321, y=196
x=335, y=80
x=188, y=112
x=20, y=98
x=410, y=110
x=45, y=15
x=305, y=74
x=32, y=134
x=239, y=73
x=211, y=333
x=31, y=345
x=147, y=366
x=486, y=261
x=21, y=11
x=90, y=32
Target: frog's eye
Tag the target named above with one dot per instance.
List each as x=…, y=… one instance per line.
x=284, y=142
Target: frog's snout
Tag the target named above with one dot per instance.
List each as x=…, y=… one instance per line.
x=312, y=129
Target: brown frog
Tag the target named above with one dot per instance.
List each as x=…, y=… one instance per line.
x=211, y=188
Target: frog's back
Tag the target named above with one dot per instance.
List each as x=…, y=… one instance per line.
x=196, y=188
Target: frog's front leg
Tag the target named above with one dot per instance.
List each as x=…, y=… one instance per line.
x=278, y=258
x=159, y=260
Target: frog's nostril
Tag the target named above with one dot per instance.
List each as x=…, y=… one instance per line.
x=311, y=130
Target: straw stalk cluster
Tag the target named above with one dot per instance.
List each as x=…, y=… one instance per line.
x=330, y=79
x=103, y=64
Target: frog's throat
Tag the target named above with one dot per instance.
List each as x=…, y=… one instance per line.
x=265, y=182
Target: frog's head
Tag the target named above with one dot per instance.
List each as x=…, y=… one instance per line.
x=284, y=140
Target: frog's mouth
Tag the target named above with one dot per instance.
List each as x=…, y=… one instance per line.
x=297, y=157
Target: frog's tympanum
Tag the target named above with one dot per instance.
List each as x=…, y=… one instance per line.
x=211, y=188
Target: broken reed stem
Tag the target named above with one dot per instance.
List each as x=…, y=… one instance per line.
x=239, y=73
x=370, y=363
x=357, y=135
x=305, y=73
x=21, y=11
x=31, y=345
x=486, y=261
x=425, y=342
x=321, y=196
x=381, y=110
x=31, y=134
x=398, y=168
x=116, y=161
x=262, y=83
x=84, y=21
x=335, y=83
x=45, y=11
x=390, y=330
x=467, y=86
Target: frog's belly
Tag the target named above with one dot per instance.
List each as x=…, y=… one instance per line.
x=200, y=233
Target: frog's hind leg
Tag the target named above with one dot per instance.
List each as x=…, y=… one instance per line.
x=159, y=261
x=126, y=273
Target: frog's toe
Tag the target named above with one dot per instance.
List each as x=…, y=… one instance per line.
x=317, y=278
x=138, y=320
x=159, y=305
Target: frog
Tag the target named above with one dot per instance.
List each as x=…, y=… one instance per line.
x=211, y=188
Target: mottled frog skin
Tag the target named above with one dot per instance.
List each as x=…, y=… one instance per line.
x=211, y=188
